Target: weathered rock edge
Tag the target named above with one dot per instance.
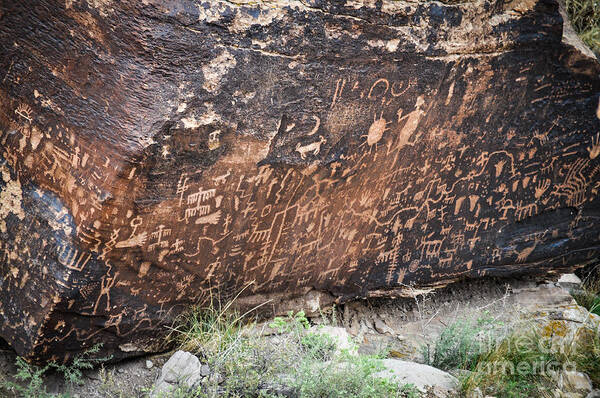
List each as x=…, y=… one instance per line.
x=153, y=153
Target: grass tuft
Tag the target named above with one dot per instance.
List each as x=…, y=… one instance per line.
x=585, y=18
x=588, y=296
x=288, y=356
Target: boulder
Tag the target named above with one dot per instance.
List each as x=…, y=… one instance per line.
x=153, y=153
x=570, y=282
x=181, y=370
x=575, y=382
x=339, y=336
x=424, y=377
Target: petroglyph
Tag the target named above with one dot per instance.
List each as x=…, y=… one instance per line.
x=313, y=148
x=293, y=162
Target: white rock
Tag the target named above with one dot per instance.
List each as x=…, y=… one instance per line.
x=569, y=278
x=422, y=376
x=476, y=393
x=204, y=370
x=216, y=378
x=149, y=364
x=339, y=335
x=182, y=369
x=575, y=382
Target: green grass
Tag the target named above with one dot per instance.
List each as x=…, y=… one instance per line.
x=515, y=367
x=460, y=344
x=512, y=362
x=588, y=296
x=293, y=357
x=585, y=18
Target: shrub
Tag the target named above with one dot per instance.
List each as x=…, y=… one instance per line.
x=460, y=344
x=29, y=379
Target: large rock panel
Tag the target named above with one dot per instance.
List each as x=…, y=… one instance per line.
x=154, y=153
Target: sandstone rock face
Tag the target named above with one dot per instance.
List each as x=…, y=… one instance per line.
x=154, y=151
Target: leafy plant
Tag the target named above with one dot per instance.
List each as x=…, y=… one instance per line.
x=318, y=346
x=29, y=379
x=350, y=376
x=293, y=323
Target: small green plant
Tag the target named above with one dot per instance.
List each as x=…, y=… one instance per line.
x=584, y=353
x=349, y=376
x=522, y=363
x=29, y=379
x=207, y=329
x=292, y=323
x=318, y=346
x=73, y=372
x=460, y=344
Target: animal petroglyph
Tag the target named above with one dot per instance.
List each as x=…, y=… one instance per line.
x=524, y=254
x=308, y=159
x=313, y=148
x=376, y=130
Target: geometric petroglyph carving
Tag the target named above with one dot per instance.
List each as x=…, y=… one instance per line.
x=162, y=162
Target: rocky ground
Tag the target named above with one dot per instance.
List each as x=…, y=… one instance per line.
x=403, y=327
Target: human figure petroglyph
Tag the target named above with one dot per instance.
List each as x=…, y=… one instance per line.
x=411, y=124
x=107, y=282
x=314, y=147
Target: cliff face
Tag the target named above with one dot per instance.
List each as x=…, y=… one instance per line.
x=154, y=152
